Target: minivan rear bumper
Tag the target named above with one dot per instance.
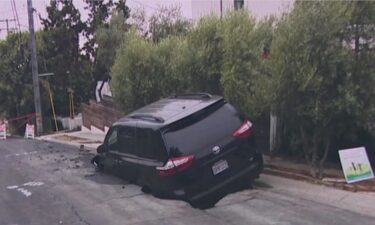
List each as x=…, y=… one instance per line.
x=234, y=183
x=237, y=182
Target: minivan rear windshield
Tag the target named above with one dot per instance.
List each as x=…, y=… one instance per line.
x=202, y=130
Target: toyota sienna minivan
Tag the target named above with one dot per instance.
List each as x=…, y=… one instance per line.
x=194, y=147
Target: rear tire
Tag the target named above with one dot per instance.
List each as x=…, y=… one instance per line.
x=146, y=190
x=203, y=204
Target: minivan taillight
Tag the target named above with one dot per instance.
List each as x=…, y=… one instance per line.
x=175, y=165
x=244, y=131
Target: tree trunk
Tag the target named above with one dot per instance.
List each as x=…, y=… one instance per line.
x=356, y=42
x=323, y=159
x=311, y=150
x=273, y=131
x=314, y=160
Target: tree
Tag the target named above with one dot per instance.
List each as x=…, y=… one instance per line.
x=165, y=22
x=201, y=61
x=243, y=69
x=60, y=54
x=205, y=43
x=98, y=17
x=145, y=71
x=109, y=38
x=151, y=63
x=318, y=91
x=131, y=72
x=359, y=97
x=15, y=77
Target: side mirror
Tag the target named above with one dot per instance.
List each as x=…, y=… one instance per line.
x=101, y=149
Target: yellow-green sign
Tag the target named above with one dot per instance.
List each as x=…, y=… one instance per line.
x=355, y=164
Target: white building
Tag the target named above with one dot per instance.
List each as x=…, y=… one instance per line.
x=259, y=8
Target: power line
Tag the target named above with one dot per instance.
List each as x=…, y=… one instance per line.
x=7, y=23
x=14, y=15
x=18, y=21
x=8, y=30
x=10, y=13
x=146, y=5
x=22, y=9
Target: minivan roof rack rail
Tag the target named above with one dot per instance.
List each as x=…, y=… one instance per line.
x=147, y=117
x=192, y=95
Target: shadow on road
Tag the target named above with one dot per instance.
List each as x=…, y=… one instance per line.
x=104, y=178
x=261, y=185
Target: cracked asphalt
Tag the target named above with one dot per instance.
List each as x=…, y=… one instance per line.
x=49, y=183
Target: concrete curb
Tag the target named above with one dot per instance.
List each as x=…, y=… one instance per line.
x=282, y=172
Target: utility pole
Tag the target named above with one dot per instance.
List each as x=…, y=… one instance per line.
x=7, y=23
x=238, y=4
x=34, y=70
x=221, y=9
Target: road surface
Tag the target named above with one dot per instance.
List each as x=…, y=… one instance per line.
x=48, y=183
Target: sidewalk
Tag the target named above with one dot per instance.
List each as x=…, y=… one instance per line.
x=80, y=139
x=333, y=177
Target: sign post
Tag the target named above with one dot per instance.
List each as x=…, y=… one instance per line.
x=3, y=132
x=355, y=164
x=30, y=131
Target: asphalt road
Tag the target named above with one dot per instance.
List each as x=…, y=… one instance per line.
x=47, y=183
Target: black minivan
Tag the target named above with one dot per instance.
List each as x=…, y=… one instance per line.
x=194, y=147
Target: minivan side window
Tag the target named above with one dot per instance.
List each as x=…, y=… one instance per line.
x=150, y=145
x=112, y=140
x=126, y=140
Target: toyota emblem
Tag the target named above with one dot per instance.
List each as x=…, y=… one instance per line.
x=216, y=150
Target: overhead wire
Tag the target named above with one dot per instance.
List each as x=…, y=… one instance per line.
x=146, y=5
x=17, y=18
x=17, y=23
x=13, y=13
x=6, y=12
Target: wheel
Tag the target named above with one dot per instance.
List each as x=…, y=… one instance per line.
x=146, y=190
x=97, y=164
x=203, y=204
x=207, y=202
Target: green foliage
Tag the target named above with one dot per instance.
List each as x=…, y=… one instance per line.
x=109, y=38
x=99, y=12
x=243, y=68
x=206, y=56
x=166, y=22
x=152, y=62
x=322, y=87
x=358, y=90
x=215, y=56
x=15, y=77
x=313, y=67
x=131, y=64
x=143, y=71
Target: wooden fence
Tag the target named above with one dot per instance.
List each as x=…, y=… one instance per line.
x=100, y=114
